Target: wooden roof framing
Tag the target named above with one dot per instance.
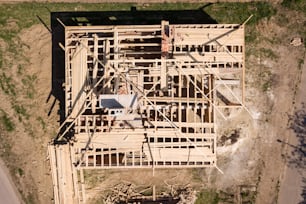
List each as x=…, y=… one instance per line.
x=176, y=72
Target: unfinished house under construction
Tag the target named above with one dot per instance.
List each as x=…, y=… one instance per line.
x=144, y=96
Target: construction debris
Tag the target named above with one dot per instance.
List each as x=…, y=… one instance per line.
x=297, y=41
x=187, y=196
x=126, y=193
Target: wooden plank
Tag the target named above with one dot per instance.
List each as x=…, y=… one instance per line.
x=176, y=154
x=175, y=99
x=94, y=75
x=179, y=124
x=180, y=144
x=79, y=73
x=54, y=173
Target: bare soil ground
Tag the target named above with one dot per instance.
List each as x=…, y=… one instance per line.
x=248, y=154
x=27, y=144
x=280, y=99
x=292, y=188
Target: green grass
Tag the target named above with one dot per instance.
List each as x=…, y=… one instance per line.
x=300, y=63
x=1, y=58
x=268, y=53
x=197, y=174
x=93, y=178
x=21, y=111
x=248, y=196
x=148, y=192
x=20, y=69
x=239, y=12
x=266, y=80
x=299, y=5
x=30, y=199
x=20, y=171
x=6, y=121
x=42, y=122
x=29, y=85
x=25, y=14
x=207, y=197
x=7, y=84
x=266, y=86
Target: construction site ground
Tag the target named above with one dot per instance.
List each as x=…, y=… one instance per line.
x=253, y=147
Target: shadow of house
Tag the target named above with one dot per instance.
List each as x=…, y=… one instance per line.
x=303, y=194
x=297, y=156
x=132, y=17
